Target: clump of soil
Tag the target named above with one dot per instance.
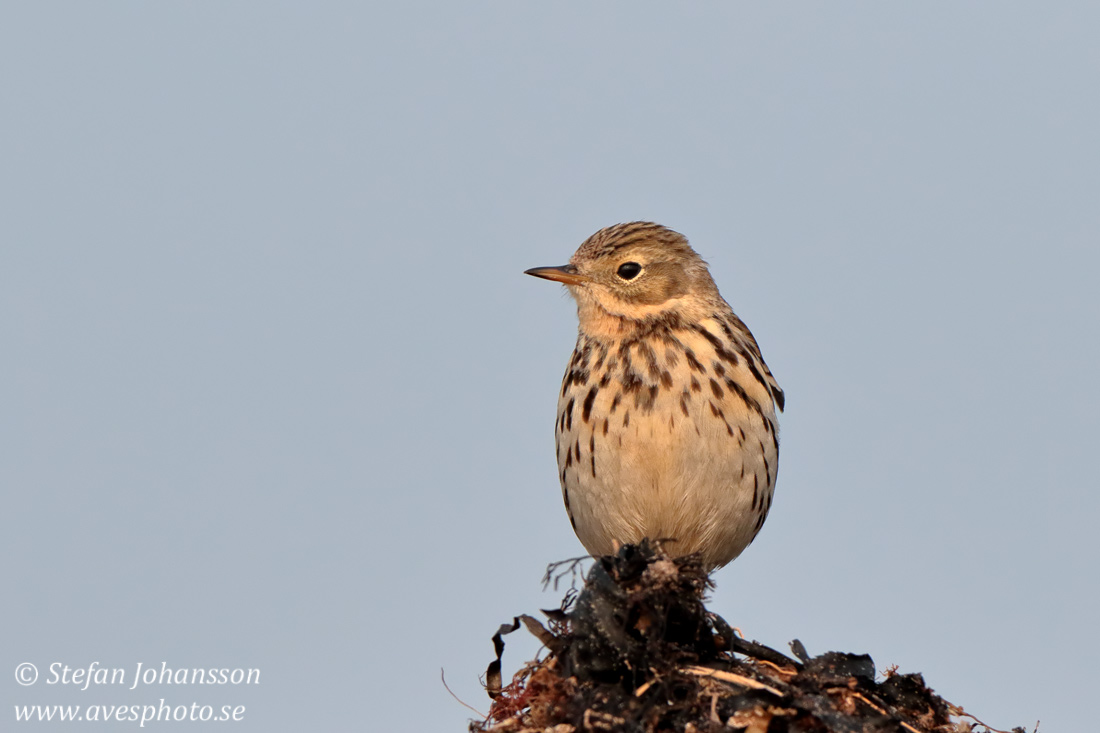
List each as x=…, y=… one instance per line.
x=636, y=651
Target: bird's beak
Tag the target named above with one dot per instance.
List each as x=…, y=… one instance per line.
x=566, y=274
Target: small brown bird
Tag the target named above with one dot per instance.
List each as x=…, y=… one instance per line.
x=666, y=423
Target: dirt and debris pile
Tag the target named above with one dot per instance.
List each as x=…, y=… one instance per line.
x=636, y=650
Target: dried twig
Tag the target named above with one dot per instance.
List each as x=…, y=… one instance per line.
x=480, y=714
x=554, y=575
x=785, y=672
x=732, y=678
x=957, y=710
x=881, y=711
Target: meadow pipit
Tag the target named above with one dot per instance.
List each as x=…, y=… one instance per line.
x=666, y=423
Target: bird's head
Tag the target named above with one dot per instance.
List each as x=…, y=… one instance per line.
x=629, y=274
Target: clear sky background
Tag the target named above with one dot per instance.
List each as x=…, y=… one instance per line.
x=276, y=393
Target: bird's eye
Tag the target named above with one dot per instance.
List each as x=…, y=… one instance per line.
x=629, y=270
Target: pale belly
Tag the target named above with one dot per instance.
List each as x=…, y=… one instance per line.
x=682, y=463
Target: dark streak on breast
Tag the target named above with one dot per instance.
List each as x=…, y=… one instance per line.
x=717, y=412
x=645, y=401
x=752, y=404
x=631, y=382
x=592, y=452
x=693, y=362
x=751, y=364
x=720, y=349
x=767, y=466
x=586, y=406
x=650, y=357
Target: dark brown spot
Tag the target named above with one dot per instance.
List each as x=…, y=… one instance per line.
x=631, y=382
x=605, y=426
x=568, y=459
x=577, y=449
x=586, y=407
x=615, y=402
x=599, y=358
x=715, y=389
x=695, y=386
x=671, y=358
x=666, y=380
x=645, y=402
x=582, y=360
x=626, y=422
x=684, y=404
x=569, y=414
x=605, y=379
x=719, y=369
x=693, y=362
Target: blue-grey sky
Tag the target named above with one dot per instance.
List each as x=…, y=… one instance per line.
x=276, y=394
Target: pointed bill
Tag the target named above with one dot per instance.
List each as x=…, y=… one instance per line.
x=566, y=274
